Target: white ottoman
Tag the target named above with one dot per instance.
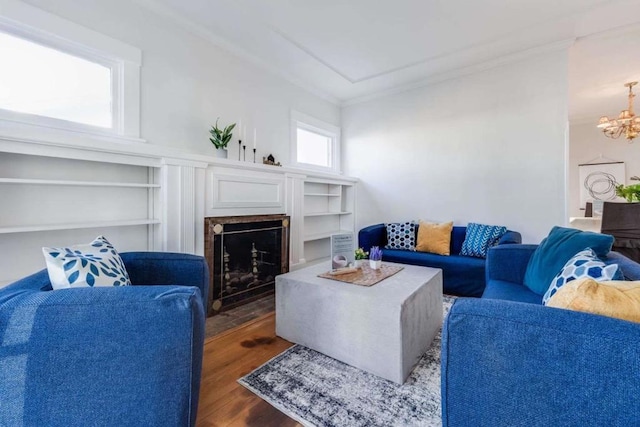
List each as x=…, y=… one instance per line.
x=382, y=329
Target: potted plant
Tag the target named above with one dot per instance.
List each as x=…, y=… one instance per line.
x=220, y=138
x=361, y=255
x=630, y=192
x=375, y=257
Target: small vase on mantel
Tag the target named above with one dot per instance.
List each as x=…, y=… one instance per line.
x=221, y=153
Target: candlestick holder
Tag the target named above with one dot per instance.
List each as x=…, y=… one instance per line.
x=254, y=155
x=239, y=145
x=244, y=153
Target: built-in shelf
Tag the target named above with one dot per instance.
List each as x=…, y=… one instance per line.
x=324, y=235
x=322, y=194
x=77, y=225
x=76, y=183
x=327, y=213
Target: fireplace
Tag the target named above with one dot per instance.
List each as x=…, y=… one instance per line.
x=245, y=254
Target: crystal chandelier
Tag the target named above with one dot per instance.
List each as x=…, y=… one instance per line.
x=626, y=124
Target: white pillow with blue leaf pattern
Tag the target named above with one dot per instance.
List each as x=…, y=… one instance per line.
x=95, y=264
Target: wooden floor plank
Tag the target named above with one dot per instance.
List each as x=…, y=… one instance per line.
x=229, y=356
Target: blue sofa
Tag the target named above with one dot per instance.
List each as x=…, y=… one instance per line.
x=118, y=356
x=508, y=360
x=462, y=275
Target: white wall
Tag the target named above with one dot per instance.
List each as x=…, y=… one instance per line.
x=587, y=143
x=187, y=82
x=488, y=148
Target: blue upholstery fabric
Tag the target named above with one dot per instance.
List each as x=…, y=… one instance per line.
x=509, y=291
x=480, y=237
x=461, y=275
x=126, y=356
x=556, y=249
x=508, y=363
x=536, y=365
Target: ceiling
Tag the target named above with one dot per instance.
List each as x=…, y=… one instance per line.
x=350, y=50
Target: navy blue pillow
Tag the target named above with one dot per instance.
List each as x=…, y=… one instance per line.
x=480, y=238
x=556, y=249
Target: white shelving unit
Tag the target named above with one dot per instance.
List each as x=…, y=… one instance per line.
x=328, y=208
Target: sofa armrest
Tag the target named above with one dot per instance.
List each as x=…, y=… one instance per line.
x=373, y=235
x=510, y=237
x=126, y=356
x=509, y=363
x=167, y=268
x=508, y=262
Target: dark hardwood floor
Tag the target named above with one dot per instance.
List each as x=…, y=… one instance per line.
x=229, y=356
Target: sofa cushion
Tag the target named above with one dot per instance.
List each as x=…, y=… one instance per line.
x=556, y=249
x=619, y=299
x=434, y=238
x=93, y=264
x=401, y=236
x=583, y=264
x=461, y=275
x=501, y=289
x=480, y=238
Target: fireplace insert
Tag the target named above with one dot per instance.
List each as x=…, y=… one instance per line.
x=245, y=254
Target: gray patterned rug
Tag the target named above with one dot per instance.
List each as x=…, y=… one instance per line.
x=319, y=391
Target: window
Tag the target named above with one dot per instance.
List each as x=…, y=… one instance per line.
x=42, y=81
x=58, y=74
x=315, y=144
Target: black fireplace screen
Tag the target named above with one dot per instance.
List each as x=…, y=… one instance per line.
x=245, y=254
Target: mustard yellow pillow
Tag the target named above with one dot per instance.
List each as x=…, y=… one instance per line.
x=434, y=238
x=620, y=299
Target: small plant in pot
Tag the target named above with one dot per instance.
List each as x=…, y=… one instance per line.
x=220, y=138
x=375, y=257
x=360, y=256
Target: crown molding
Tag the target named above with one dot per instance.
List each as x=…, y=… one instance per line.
x=204, y=33
x=465, y=71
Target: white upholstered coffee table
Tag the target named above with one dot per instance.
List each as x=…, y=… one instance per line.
x=382, y=329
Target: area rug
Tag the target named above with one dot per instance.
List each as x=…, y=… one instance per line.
x=319, y=391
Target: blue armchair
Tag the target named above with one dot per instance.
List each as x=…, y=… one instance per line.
x=125, y=356
x=509, y=360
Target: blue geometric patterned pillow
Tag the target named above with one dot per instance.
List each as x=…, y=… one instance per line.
x=479, y=238
x=401, y=236
x=95, y=264
x=583, y=264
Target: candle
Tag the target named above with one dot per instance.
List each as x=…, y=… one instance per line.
x=239, y=128
x=254, y=137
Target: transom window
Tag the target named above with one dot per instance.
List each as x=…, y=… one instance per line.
x=315, y=144
x=42, y=81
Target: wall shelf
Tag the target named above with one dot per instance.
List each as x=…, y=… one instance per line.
x=324, y=235
x=327, y=213
x=322, y=194
x=75, y=183
x=76, y=225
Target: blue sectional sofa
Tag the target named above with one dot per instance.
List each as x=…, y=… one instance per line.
x=508, y=360
x=462, y=275
x=111, y=356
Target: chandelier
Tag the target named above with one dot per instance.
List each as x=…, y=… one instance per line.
x=626, y=124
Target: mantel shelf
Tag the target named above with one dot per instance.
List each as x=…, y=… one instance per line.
x=327, y=213
x=76, y=225
x=76, y=183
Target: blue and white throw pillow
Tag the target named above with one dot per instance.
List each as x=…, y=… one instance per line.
x=479, y=238
x=583, y=264
x=401, y=236
x=95, y=264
